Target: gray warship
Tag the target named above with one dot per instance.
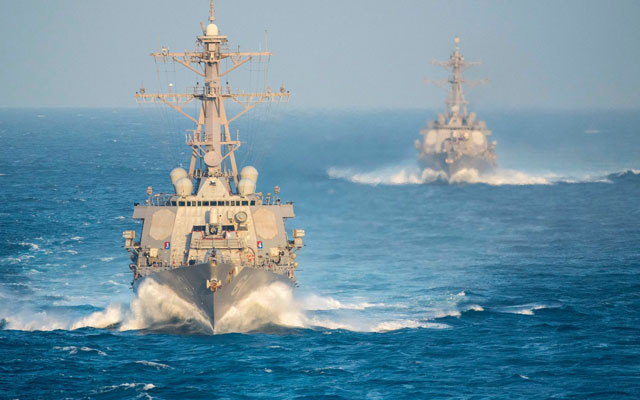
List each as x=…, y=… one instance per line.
x=215, y=240
x=456, y=139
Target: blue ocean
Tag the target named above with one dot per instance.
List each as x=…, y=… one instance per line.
x=520, y=284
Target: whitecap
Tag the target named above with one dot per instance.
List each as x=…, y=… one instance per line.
x=525, y=309
x=316, y=303
x=153, y=364
x=71, y=349
x=100, y=352
x=388, y=326
x=33, y=246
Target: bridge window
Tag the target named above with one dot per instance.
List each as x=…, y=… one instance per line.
x=205, y=203
x=181, y=203
x=245, y=203
x=253, y=202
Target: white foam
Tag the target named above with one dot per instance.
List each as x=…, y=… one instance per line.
x=403, y=175
x=156, y=305
x=132, y=385
x=315, y=303
x=387, y=326
x=102, y=353
x=111, y=316
x=525, y=309
x=33, y=246
x=71, y=349
x=268, y=305
x=106, y=259
x=74, y=350
x=276, y=304
x=153, y=364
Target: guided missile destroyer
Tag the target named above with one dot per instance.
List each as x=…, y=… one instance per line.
x=456, y=140
x=215, y=240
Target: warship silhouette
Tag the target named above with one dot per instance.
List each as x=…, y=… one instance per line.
x=215, y=240
x=456, y=140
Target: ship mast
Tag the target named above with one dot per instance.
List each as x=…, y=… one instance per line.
x=456, y=102
x=211, y=140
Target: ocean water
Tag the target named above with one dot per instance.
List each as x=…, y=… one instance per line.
x=520, y=284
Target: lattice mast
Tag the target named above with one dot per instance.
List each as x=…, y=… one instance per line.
x=211, y=139
x=456, y=102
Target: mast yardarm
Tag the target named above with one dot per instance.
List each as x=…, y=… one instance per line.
x=211, y=140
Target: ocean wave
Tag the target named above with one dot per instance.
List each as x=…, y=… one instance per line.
x=74, y=350
x=126, y=386
x=526, y=309
x=316, y=303
x=388, y=326
x=153, y=364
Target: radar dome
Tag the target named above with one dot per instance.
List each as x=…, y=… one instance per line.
x=249, y=173
x=184, y=187
x=212, y=30
x=478, y=138
x=177, y=174
x=246, y=186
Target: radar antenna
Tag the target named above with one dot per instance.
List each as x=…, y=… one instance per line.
x=456, y=101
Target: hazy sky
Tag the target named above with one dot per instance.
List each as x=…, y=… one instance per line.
x=331, y=53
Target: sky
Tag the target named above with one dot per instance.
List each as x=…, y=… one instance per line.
x=331, y=54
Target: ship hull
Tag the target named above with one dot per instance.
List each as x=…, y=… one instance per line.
x=236, y=284
x=437, y=162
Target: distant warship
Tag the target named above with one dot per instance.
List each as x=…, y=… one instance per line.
x=456, y=140
x=215, y=240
